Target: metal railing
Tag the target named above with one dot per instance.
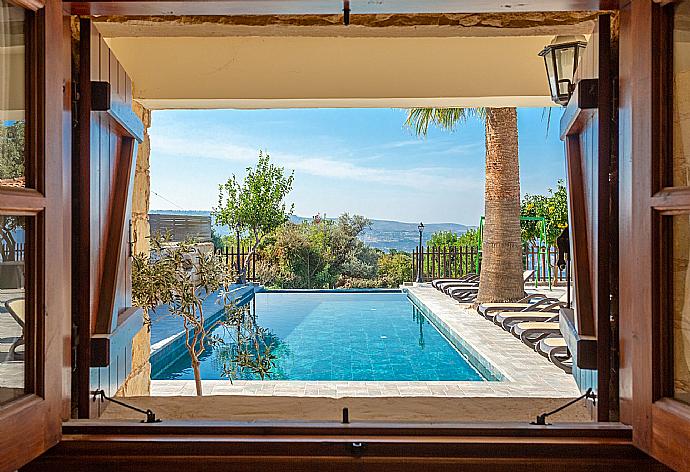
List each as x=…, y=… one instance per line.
x=456, y=261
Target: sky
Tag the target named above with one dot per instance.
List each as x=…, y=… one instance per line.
x=361, y=161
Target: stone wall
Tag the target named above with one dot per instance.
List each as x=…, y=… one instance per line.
x=142, y=186
x=138, y=382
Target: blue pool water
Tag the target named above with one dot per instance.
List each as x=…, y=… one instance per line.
x=343, y=336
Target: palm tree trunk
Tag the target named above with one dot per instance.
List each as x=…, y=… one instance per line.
x=501, y=270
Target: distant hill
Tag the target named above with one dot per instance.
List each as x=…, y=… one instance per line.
x=383, y=234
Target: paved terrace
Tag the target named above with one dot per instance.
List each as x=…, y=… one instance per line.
x=523, y=372
x=11, y=371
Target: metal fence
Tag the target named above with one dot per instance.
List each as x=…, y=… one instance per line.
x=19, y=250
x=232, y=258
x=456, y=261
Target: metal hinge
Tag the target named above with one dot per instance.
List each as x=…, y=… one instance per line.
x=75, y=104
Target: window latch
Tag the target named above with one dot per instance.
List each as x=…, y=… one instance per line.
x=541, y=419
x=150, y=415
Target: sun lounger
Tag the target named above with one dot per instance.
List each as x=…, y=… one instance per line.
x=15, y=307
x=507, y=320
x=556, y=350
x=549, y=308
x=459, y=289
x=531, y=301
x=465, y=295
x=465, y=278
x=454, y=292
x=447, y=288
x=531, y=332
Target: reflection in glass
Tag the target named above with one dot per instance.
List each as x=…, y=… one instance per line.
x=565, y=59
x=12, y=307
x=681, y=93
x=12, y=96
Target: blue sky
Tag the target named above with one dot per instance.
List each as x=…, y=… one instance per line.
x=360, y=161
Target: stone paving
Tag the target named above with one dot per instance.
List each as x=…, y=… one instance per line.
x=523, y=373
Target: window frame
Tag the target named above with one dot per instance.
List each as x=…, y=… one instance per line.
x=661, y=423
x=31, y=422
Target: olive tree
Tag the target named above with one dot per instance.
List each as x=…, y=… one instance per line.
x=183, y=278
x=255, y=206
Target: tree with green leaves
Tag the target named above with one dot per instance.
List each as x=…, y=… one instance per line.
x=182, y=278
x=443, y=239
x=395, y=268
x=317, y=253
x=553, y=207
x=12, y=145
x=255, y=206
x=449, y=238
x=501, y=272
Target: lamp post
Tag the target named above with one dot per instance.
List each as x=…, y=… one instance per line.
x=420, y=227
x=561, y=58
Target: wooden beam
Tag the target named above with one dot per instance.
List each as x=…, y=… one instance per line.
x=33, y=5
x=610, y=431
x=365, y=447
x=586, y=325
x=671, y=199
x=21, y=201
x=81, y=221
x=115, y=235
x=296, y=7
x=602, y=90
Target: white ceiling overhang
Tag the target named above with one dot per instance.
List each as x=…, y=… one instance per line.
x=221, y=66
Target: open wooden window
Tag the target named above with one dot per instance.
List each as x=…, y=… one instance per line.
x=655, y=318
x=31, y=240
x=671, y=228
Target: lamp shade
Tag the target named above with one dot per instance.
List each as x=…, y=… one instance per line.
x=561, y=58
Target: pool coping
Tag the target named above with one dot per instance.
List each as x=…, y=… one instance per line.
x=524, y=373
x=262, y=289
x=487, y=370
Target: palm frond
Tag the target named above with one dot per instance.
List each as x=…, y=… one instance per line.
x=546, y=112
x=419, y=119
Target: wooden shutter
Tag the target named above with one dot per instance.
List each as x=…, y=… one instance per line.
x=105, y=143
x=587, y=129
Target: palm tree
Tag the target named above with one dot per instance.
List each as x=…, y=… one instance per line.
x=501, y=274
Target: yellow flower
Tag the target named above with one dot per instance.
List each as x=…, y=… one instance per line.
x=551, y=209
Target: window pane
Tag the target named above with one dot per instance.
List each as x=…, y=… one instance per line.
x=681, y=93
x=681, y=307
x=12, y=313
x=12, y=96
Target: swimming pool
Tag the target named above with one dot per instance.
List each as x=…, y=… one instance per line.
x=342, y=336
